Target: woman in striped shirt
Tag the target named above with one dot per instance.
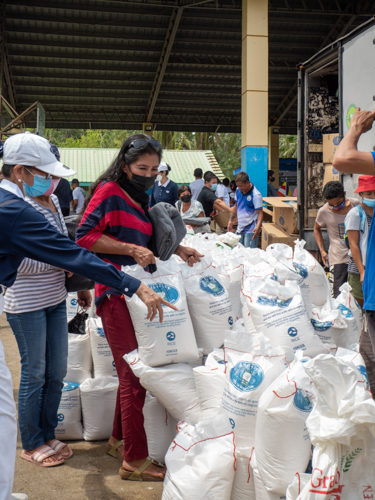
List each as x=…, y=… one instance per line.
x=36, y=312
x=115, y=225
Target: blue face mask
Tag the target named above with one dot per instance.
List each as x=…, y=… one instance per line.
x=338, y=207
x=369, y=202
x=40, y=187
x=213, y=187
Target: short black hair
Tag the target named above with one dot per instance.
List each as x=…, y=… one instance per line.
x=7, y=170
x=233, y=185
x=226, y=182
x=208, y=176
x=198, y=172
x=183, y=188
x=242, y=177
x=270, y=173
x=75, y=181
x=333, y=189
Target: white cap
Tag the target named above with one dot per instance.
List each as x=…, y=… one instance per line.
x=163, y=166
x=32, y=150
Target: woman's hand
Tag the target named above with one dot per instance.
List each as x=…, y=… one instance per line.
x=84, y=299
x=188, y=255
x=153, y=302
x=362, y=276
x=142, y=256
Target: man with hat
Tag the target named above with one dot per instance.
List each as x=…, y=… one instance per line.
x=164, y=189
x=28, y=160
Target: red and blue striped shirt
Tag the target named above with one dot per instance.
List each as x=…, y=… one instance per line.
x=113, y=213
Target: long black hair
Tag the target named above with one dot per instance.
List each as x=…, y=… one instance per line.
x=114, y=172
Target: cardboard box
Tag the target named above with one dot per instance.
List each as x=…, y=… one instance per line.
x=330, y=174
x=284, y=212
x=315, y=148
x=271, y=233
x=330, y=143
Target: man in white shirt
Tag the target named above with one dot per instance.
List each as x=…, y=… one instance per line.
x=222, y=193
x=197, y=185
x=79, y=195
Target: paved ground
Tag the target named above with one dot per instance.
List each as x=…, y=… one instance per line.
x=89, y=474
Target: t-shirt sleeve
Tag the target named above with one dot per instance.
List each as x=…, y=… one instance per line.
x=211, y=196
x=353, y=220
x=258, y=201
x=220, y=191
x=320, y=218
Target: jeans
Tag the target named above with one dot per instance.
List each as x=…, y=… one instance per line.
x=247, y=240
x=42, y=338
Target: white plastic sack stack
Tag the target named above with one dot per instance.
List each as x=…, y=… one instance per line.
x=260, y=491
x=201, y=461
x=172, y=385
x=173, y=340
x=209, y=304
x=348, y=355
x=282, y=441
x=79, y=358
x=104, y=366
x=243, y=484
x=210, y=382
x=313, y=273
x=234, y=290
x=342, y=429
x=250, y=369
x=160, y=428
x=247, y=320
x=332, y=328
x=349, y=308
x=280, y=313
x=69, y=413
x=71, y=305
x=299, y=482
x=98, y=398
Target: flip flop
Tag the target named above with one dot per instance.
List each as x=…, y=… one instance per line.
x=41, y=454
x=57, y=445
x=114, y=450
x=138, y=475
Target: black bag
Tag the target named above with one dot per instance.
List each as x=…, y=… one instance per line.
x=78, y=323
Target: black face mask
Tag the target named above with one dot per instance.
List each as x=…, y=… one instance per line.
x=186, y=198
x=137, y=186
x=141, y=183
x=272, y=179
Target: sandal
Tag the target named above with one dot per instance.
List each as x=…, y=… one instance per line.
x=41, y=454
x=138, y=474
x=57, y=445
x=114, y=450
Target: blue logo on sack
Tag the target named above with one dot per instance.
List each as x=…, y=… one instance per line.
x=60, y=417
x=265, y=301
x=321, y=326
x=362, y=370
x=113, y=364
x=301, y=401
x=301, y=269
x=232, y=423
x=69, y=386
x=246, y=376
x=210, y=285
x=336, y=141
x=101, y=332
x=292, y=332
x=345, y=311
x=222, y=362
x=230, y=320
x=166, y=292
x=74, y=302
x=171, y=336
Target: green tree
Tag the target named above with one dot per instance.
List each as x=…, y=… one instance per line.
x=288, y=146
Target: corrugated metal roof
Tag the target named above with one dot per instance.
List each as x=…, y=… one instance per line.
x=90, y=163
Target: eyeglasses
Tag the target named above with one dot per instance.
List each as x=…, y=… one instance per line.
x=141, y=143
x=46, y=176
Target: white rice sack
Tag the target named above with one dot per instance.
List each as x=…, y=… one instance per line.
x=234, y=289
x=209, y=304
x=349, y=307
x=313, y=273
x=201, y=461
x=296, y=487
x=260, y=271
x=102, y=357
x=173, y=340
x=282, y=440
x=172, y=385
x=69, y=426
x=79, y=358
x=243, y=484
x=280, y=313
x=332, y=328
x=250, y=369
x=247, y=320
x=260, y=491
x=98, y=398
x=230, y=239
x=210, y=382
x=71, y=305
x=160, y=428
x=348, y=355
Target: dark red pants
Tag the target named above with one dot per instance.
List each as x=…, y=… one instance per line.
x=128, y=421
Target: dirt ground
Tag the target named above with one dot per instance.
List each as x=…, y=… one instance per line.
x=90, y=474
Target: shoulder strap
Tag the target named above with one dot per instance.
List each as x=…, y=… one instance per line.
x=8, y=202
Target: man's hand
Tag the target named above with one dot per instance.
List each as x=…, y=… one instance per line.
x=153, y=302
x=84, y=299
x=362, y=276
x=256, y=233
x=142, y=256
x=188, y=255
x=362, y=121
x=230, y=226
x=324, y=258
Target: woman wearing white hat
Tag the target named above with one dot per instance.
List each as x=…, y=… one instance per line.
x=164, y=190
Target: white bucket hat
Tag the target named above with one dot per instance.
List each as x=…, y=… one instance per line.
x=32, y=150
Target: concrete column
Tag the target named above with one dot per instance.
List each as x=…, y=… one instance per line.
x=273, y=153
x=254, y=154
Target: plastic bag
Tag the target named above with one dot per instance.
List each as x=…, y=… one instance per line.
x=69, y=425
x=79, y=358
